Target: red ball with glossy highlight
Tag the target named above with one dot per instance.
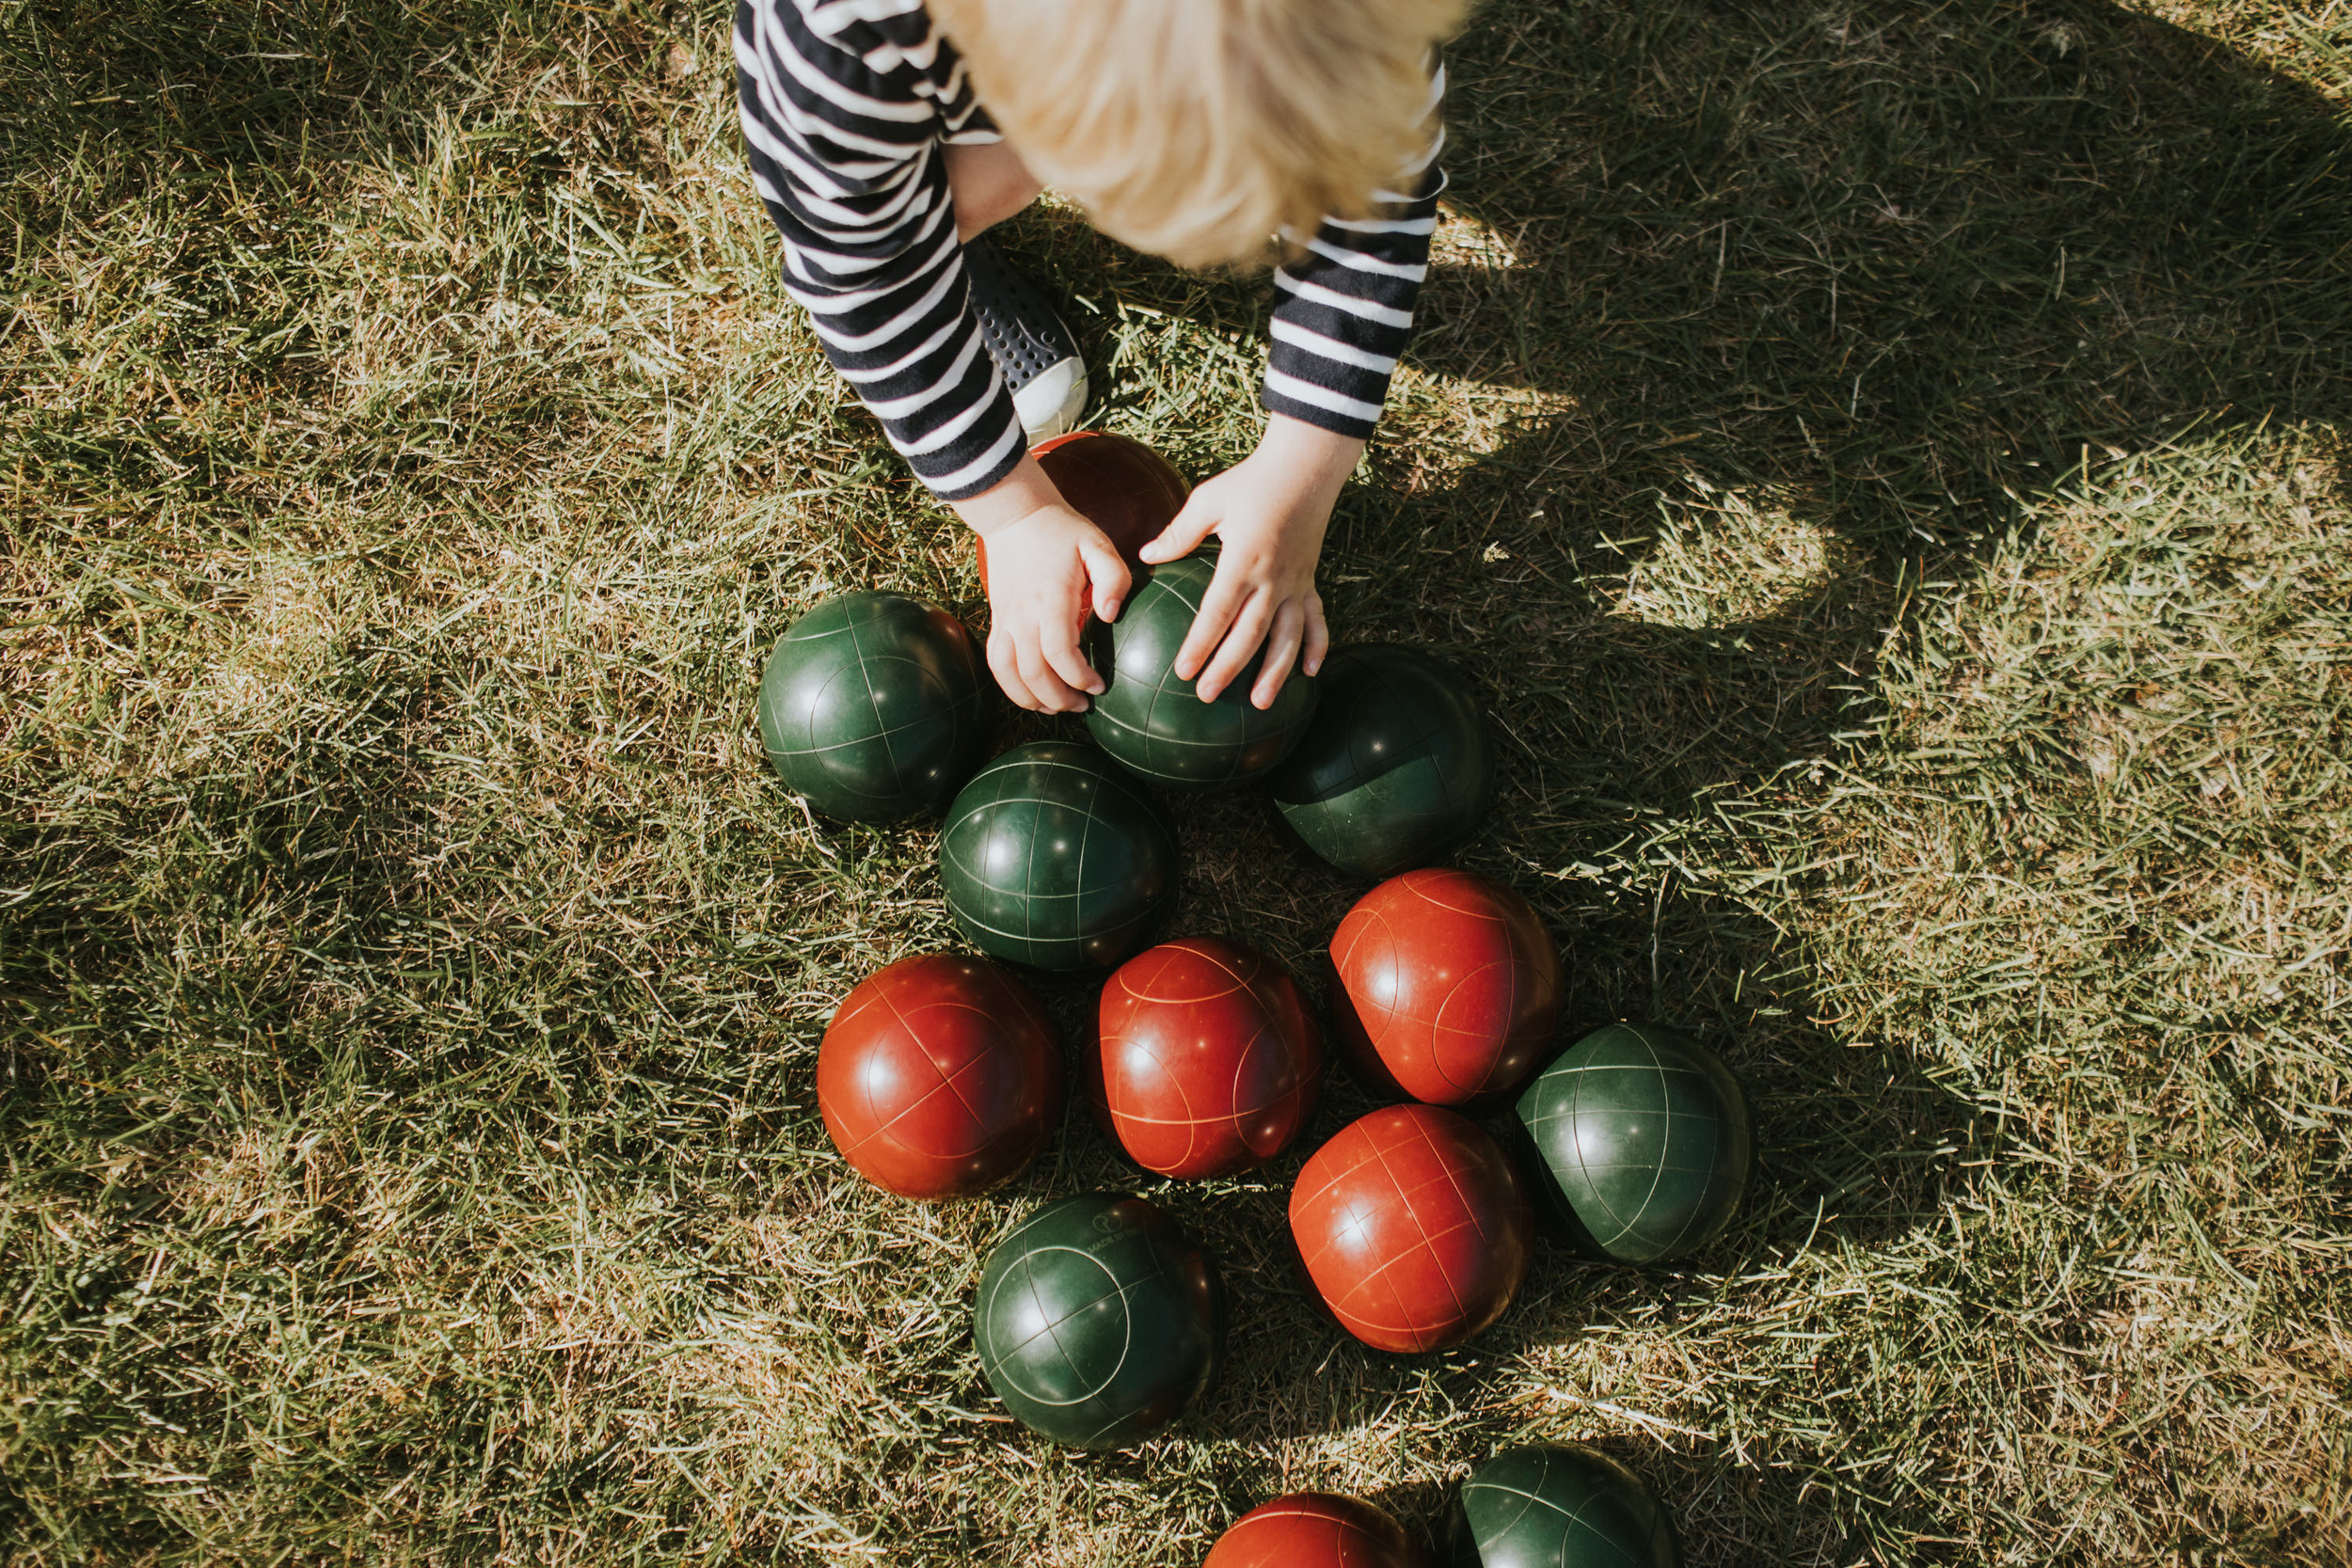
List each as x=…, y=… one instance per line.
x=1209, y=1058
x=1448, y=987
x=1316, y=1530
x=938, y=1076
x=1413, y=1227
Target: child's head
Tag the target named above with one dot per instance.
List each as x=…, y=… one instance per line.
x=1197, y=129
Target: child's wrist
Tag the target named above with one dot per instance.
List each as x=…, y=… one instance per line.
x=1318, y=461
x=1311, y=448
x=1020, y=495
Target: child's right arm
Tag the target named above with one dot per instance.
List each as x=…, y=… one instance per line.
x=1344, y=317
x=842, y=120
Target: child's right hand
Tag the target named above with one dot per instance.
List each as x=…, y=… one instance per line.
x=1047, y=567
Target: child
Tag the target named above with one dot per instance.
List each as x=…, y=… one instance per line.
x=886, y=136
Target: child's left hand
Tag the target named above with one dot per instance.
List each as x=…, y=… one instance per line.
x=1270, y=510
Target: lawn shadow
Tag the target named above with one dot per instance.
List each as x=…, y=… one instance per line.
x=1804, y=276
x=1800, y=256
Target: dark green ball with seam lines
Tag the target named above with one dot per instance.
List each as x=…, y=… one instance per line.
x=1559, y=1505
x=876, y=707
x=1154, y=723
x=1053, y=857
x=1644, y=1142
x=1396, y=771
x=1097, y=1321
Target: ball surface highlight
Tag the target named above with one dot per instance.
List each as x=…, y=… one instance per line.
x=1098, y=1321
x=1316, y=1530
x=1395, y=770
x=1053, y=857
x=1209, y=1058
x=1153, y=722
x=1560, y=1505
x=1448, y=987
x=938, y=1076
x=1645, y=1138
x=876, y=707
x=1413, y=1227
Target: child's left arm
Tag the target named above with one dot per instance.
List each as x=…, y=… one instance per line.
x=1270, y=510
x=1342, y=314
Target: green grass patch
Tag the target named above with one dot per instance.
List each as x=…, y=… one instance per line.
x=1885, y=466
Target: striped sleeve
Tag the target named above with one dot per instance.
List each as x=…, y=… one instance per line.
x=843, y=105
x=1343, y=308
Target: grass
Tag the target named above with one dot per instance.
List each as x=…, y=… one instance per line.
x=1886, y=464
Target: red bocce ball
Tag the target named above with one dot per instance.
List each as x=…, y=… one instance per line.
x=1448, y=987
x=1413, y=1227
x=1209, y=1058
x=938, y=1076
x=1120, y=485
x=1316, y=1530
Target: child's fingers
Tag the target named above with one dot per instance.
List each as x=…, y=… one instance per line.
x=1218, y=606
x=1057, y=646
x=1005, y=667
x=1037, y=673
x=1022, y=673
x=1318, y=637
x=1107, y=573
x=1249, y=631
x=1281, y=649
x=1182, y=535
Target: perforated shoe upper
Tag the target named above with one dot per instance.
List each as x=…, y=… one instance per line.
x=1029, y=343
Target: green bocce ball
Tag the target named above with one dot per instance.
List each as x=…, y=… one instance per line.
x=1053, y=857
x=1645, y=1138
x=1098, y=1321
x=1560, y=1506
x=1154, y=723
x=876, y=707
x=1396, y=769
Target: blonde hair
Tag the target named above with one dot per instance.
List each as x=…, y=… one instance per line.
x=1200, y=130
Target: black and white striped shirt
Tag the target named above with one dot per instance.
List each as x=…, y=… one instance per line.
x=845, y=104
